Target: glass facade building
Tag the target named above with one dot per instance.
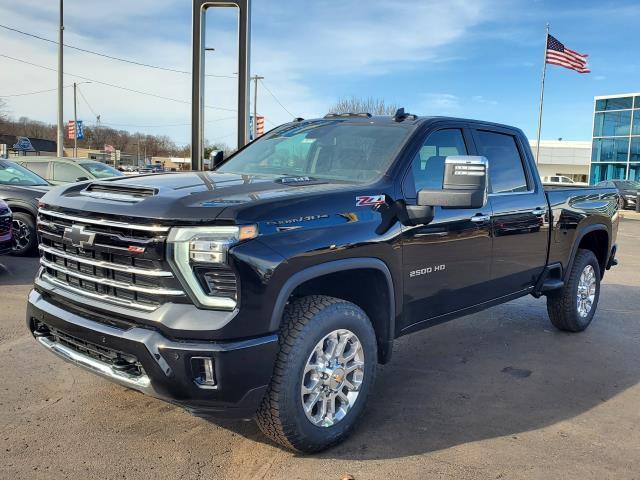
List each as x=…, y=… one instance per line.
x=615, y=152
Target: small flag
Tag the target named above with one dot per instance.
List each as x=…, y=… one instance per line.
x=71, y=130
x=260, y=125
x=558, y=54
x=109, y=148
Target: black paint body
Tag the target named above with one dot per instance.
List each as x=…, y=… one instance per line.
x=314, y=239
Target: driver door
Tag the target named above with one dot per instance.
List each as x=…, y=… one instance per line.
x=446, y=263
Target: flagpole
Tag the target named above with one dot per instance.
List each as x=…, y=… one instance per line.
x=544, y=72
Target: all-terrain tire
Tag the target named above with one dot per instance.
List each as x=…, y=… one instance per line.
x=25, y=235
x=307, y=320
x=563, y=304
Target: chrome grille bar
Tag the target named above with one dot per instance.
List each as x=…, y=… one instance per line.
x=105, y=264
x=98, y=296
x=106, y=223
x=109, y=282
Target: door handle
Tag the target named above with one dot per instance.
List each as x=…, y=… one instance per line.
x=539, y=211
x=479, y=217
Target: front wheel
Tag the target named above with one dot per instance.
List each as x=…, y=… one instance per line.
x=572, y=308
x=323, y=375
x=25, y=238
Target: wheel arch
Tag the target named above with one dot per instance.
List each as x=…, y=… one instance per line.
x=22, y=207
x=596, y=238
x=344, y=279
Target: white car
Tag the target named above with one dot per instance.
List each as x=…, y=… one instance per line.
x=561, y=180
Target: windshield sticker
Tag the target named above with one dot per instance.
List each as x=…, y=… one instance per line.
x=369, y=200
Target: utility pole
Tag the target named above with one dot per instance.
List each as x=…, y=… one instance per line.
x=75, y=122
x=255, y=79
x=60, y=142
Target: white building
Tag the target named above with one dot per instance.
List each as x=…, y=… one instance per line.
x=564, y=157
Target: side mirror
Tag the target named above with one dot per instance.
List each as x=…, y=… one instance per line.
x=464, y=184
x=82, y=179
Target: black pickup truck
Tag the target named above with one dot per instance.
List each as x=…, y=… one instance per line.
x=271, y=287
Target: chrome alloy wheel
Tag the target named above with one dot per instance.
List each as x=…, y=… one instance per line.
x=21, y=235
x=586, y=291
x=332, y=378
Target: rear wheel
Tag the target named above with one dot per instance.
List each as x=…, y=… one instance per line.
x=25, y=237
x=324, y=372
x=572, y=308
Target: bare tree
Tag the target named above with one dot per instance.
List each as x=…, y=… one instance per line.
x=4, y=111
x=374, y=106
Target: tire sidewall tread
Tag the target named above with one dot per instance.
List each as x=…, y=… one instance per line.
x=306, y=321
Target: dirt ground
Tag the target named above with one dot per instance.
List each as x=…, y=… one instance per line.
x=496, y=395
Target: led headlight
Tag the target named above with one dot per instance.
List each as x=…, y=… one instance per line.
x=200, y=256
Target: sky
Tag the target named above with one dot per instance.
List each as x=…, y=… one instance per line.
x=467, y=58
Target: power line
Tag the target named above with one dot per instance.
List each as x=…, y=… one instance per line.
x=32, y=93
x=140, y=92
x=162, y=125
x=85, y=101
x=111, y=57
x=276, y=98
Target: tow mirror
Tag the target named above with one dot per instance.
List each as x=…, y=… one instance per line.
x=464, y=184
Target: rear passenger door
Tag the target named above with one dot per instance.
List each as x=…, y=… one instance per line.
x=519, y=212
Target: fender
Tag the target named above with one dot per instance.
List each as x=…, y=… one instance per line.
x=331, y=267
x=17, y=204
x=574, y=249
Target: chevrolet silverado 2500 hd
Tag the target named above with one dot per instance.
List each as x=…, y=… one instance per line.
x=271, y=287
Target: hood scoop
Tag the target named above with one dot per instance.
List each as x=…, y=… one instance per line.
x=120, y=193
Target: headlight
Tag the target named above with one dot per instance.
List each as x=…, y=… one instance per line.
x=199, y=254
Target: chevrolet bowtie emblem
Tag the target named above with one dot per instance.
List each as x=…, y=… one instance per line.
x=78, y=236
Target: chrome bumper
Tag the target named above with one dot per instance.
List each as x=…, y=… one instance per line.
x=141, y=382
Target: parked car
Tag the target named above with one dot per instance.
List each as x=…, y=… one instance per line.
x=6, y=238
x=152, y=169
x=628, y=190
x=60, y=171
x=561, y=180
x=273, y=286
x=21, y=189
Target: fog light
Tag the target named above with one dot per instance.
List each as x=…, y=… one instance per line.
x=203, y=372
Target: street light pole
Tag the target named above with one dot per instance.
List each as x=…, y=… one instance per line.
x=60, y=142
x=255, y=79
x=75, y=122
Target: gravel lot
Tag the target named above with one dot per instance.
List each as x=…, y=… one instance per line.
x=499, y=394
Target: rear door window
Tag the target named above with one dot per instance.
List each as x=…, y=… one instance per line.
x=66, y=172
x=506, y=170
x=39, y=168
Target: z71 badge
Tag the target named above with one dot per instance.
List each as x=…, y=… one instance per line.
x=369, y=200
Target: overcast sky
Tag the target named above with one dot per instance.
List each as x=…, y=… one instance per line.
x=479, y=59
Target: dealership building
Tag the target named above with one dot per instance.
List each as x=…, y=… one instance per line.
x=616, y=138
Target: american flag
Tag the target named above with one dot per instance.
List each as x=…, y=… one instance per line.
x=558, y=54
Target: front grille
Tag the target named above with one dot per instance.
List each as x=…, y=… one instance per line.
x=106, y=259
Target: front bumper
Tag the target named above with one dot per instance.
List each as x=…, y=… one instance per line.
x=243, y=368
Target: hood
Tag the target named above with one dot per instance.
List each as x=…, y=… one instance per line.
x=191, y=197
x=24, y=191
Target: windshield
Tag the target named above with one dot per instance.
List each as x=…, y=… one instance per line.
x=13, y=174
x=325, y=149
x=100, y=170
x=629, y=185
